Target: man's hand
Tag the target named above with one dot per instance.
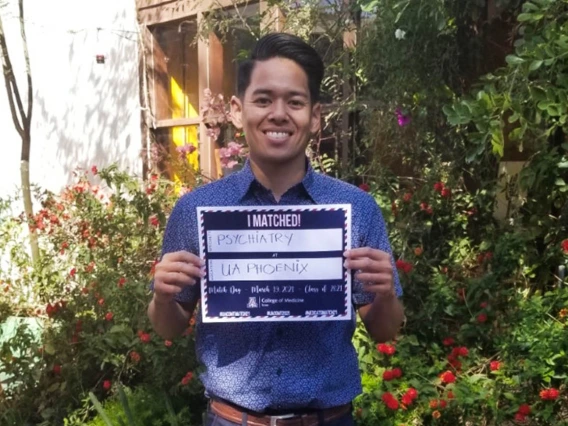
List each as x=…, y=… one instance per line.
x=383, y=317
x=174, y=272
x=374, y=270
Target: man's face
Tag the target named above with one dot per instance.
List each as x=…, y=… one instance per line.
x=276, y=112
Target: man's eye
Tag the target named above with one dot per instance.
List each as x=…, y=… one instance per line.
x=262, y=101
x=296, y=103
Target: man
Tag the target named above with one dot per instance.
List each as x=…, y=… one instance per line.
x=270, y=373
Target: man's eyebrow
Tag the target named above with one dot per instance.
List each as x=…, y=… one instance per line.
x=291, y=93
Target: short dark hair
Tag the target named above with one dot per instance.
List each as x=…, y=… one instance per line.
x=283, y=45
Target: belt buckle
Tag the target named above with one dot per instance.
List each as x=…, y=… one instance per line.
x=274, y=419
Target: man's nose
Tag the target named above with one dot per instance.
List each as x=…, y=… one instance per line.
x=278, y=112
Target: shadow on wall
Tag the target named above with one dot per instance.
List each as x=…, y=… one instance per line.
x=87, y=113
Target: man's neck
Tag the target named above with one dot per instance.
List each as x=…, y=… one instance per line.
x=279, y=178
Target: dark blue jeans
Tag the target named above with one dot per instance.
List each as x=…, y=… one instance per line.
x=215, y=420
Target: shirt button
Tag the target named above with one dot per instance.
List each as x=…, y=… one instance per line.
x=279, y=371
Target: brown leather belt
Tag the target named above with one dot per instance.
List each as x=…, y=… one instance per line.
x=235, y=415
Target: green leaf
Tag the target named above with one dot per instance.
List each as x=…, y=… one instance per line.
x=559, y=182
x=100, y=409
x=514, y=60
x=126, y=406
x=535, y=65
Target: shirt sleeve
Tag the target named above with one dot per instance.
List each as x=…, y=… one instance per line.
x=178, y=237
x=376, y=237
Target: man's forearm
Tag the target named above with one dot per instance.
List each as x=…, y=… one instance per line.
x=383, y=317
x=169, y=319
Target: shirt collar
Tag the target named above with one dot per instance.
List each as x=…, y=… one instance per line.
x=244, y=178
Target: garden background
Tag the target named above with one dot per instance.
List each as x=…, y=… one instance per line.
x=457, y=120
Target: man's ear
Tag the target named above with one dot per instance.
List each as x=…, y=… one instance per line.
x=237, y=112
x=315, y=125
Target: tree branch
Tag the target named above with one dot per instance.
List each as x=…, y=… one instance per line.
x=9, y=80
x=28, y=116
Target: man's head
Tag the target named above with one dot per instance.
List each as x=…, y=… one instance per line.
x=283, y=45
x=277, y=104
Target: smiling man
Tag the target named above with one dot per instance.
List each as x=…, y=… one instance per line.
x=270, y=373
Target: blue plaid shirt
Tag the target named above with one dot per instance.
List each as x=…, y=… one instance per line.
x=271, y=365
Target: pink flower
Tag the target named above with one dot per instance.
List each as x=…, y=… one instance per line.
x=107, y=384
x=185, y=149
x=402, y=119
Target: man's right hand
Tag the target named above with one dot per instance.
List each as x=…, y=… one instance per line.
x=174, y=272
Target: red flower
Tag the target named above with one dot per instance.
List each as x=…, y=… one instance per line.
x=524, y=409
x=109, y=316
x=406, y=399
x=154, y=221
x=94, y=170
x=443, y=403
x=481, y=318
x=397, y=373
x=439, y=186
x=451, y=395
x=412, y=393
x=446, y=193
x=145, y=338
x=454, y=362
x=386, y=349
x=405, y=267
x=57, y=369
x=418, y=251
x=390, y=401
x=107, y=385
x=387, y=375
x=448, y=377
x=187, y=378
x=494, y=365
x=483, y=305
x=101, y=301
x=463, y=351
x=90, y=267
x=168, y=343
x=121, y=282
x=549, y=394
x=72, y=272
x=564, y=245
x=521, y=418
x=407, y=197
x=433, y=404
x=365, y=187
x=135, y=356
x=448, y=341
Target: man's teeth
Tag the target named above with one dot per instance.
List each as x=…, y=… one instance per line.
x=278, y=135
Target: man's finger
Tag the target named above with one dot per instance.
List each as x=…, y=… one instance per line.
x=369, y=265
x=183, y=256
x=366, y=252
x=187, y=268
x=174, y=279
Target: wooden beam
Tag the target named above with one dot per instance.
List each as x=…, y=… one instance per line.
x=152, y=12
x=176, y=122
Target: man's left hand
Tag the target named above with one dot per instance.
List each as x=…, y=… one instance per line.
x=374, y=269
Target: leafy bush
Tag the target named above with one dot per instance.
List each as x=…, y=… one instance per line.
x=91, y=290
